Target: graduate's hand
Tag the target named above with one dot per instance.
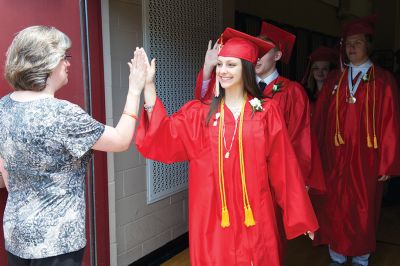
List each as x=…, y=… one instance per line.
x=137, y=71
x=310, y=235
x=151, y=69
x=210, y=60
x=150, y=94
x=384, y=178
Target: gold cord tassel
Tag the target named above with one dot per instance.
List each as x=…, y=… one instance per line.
x=375, y=143
x=369, y=143
x=336, y=140
x=373, y=111
x=338, y=137
x=341, y=141
x=225, y=218
x=248, y=213
x=224, y=209
x=249, y=218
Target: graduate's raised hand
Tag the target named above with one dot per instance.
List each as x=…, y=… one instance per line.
x=150, y=68
x=150, y=95
x=210, y=59
x=137, y=71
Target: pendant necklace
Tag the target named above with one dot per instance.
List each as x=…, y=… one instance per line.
x=353, y=88
x=233, y=137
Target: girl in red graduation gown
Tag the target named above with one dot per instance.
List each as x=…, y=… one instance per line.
x=241, y=160
x=289, y=95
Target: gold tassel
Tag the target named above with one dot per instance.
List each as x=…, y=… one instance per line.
x=369, y=143
x=373, y=111
x=341, y=141
x=249, y=218
x=336, y=141
x=375, y=143
x=338, y=138
x=225, y=218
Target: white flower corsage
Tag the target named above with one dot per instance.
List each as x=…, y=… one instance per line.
x=256, y=105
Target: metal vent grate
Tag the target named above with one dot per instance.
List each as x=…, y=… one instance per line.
x=176, y=33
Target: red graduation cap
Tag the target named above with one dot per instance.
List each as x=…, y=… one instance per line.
x=283, y=39
x=322, y=53
x=241, y=45
x=363, y=25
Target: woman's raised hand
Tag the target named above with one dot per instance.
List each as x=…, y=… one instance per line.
x=138, y=71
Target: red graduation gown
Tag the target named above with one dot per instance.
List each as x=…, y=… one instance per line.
x=294, y=104
x=349, y=212
x=272, y=173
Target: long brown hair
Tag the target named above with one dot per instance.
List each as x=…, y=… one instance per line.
x=249, y=83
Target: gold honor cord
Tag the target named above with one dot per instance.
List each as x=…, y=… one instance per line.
x=338, y=138
x=225, y=214
x=373, y=110
x=249, y=219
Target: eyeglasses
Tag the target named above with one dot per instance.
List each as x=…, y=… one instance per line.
x=66, y=57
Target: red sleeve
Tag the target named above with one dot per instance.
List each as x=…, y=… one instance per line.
x=169, y=139
x=199, y=83
x=388, y=128
x=322, y=106
x=286, y=179
x=316, y=178
x=298, y=126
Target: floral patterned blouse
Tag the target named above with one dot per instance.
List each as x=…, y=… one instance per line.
x=46, y=146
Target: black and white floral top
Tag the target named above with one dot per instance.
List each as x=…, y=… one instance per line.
x=46, y=146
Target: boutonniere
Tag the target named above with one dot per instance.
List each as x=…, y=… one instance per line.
x=365, y=77
x=277, y=87
x=256, y=105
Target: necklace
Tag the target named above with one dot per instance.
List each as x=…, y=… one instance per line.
x=233, y=137
x=235, y=111
x=353, y=87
